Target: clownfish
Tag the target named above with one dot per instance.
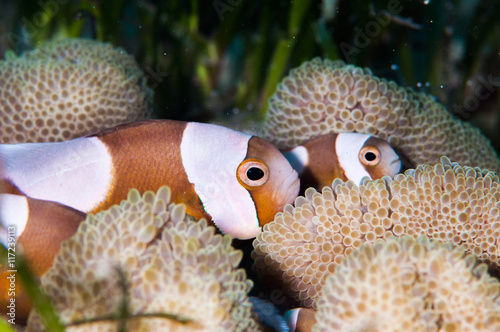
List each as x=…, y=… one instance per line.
x=300, y=319
x=347, y=156
x=237, y=181
x=50, y=224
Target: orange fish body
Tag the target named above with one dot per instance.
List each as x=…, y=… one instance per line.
x=38, y=243
x=237, y=181
x=301, y=319
x=346, y=156
x=206, y=166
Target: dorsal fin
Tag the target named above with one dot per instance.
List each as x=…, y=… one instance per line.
x=127, y=126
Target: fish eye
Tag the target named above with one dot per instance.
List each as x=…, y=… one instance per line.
x=253, y=173
x=369, y=155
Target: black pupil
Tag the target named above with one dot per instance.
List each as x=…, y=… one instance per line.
x=255, y=173
x=370, y=156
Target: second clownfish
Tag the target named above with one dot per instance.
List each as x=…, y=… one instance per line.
x=347, y=156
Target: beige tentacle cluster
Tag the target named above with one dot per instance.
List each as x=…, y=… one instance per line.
x=409, y=285
x=148, y=256
x=70, y=88
x=323, y=96
x=446, y=202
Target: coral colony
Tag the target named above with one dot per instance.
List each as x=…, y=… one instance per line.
x=376, y=248
x=445, y=202
x=408, y=285
x=323, y=96
x=58, y=91
x=172, y=264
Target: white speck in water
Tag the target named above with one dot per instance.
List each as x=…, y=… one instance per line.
x=426, y=2
x=419, y=84
x=394, y=67
x=427, y=84
x=164, y=53
x=140, y=26
x=441, y=86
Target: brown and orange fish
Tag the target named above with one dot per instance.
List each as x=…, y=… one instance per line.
x=346, y=156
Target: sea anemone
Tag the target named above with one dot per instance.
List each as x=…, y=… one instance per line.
x=36, y=245
x=68, y=89
x=171, y=273
x=324, y=96
x=446, y=202
x=409, y=285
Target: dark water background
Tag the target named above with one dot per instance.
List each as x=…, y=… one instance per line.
x=215, y=59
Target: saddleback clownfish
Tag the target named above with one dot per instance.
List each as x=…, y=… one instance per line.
x=237, y=181
x=347, y=156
